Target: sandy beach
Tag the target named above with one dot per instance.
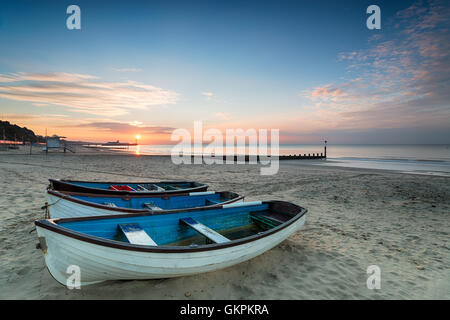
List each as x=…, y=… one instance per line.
x=356, y=218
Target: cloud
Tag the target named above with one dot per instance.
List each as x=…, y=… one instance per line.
x=208, y=95
x=126, y=127
x=402, y=81
x=18, y=116
x=40, y=104
x=83, y=93
x=223, y=115
x=52, y=77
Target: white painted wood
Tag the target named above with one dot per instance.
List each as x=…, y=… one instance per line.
x=136, y=235
x=109, y=204
x=157, y=188
x=204, y=193
x=142, y=188
x=241, y=204
x=63, y=208
x=99, y=263
x=204, y=230
x=151, y=206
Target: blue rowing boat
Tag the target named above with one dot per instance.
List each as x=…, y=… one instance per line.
x=123, y=188
x=71, y=204
x=161, y=245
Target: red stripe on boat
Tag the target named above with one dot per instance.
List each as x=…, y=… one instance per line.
x=121, y=188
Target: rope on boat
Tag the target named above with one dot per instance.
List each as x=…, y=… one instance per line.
x=47, y=214
x=47, y=205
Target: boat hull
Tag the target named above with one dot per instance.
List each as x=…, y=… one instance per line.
x=98, y=263
x=71, y=186
x=59, y=207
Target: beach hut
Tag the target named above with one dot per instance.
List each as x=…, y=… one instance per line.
x=55, y=142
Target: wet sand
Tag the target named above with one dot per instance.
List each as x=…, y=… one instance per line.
x=356, y=218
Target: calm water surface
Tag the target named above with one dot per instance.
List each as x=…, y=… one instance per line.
x=419, y=159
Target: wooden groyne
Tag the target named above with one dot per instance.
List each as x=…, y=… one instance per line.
x=305, y=156
x=248, y=158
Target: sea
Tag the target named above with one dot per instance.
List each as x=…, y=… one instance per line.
x=431, y=159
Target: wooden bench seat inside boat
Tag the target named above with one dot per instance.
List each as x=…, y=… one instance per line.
x=273, y=219
x=210, y=202
x=150, y=187
x=136, y=235
x=142, y=188
x=109, y=204
x=151, y=206
x=121, y=188
x=169, y=187
x=204, y=230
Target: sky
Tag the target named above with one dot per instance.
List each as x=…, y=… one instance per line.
x=311, y=69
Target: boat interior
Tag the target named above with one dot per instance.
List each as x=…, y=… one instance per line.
x=199, y=199
x=136, y=187
x=190, y=228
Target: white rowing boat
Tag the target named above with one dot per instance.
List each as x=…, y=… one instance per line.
x=150, y=246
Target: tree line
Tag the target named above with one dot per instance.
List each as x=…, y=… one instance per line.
x=13, y=132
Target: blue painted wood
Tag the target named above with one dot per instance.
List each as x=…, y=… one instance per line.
x=165, y=228
x=204, y=230
x=213, y=201
x=174, y=202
